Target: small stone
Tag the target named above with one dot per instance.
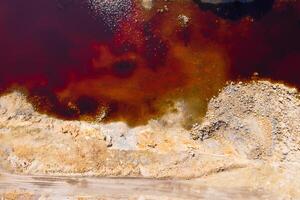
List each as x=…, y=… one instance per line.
x=108, y=140
x=3, y=111
x=292, y=91
x=166, y=8
x=152, y=145
x=147, y=4
x=285, y=150
x=183, y=20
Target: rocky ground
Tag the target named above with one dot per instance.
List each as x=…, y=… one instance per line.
x=247, y=146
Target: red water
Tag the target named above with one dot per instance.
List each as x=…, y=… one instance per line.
x=75, y=59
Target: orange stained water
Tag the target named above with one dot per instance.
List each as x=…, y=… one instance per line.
x=76, y=59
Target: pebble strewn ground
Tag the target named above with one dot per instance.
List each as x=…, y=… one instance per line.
x=249, y=139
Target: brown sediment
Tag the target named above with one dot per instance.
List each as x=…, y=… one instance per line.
x=75, y=62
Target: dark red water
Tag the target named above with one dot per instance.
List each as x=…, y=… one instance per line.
x=76, y=59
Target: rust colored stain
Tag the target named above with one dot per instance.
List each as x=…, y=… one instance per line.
x=76, y=59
